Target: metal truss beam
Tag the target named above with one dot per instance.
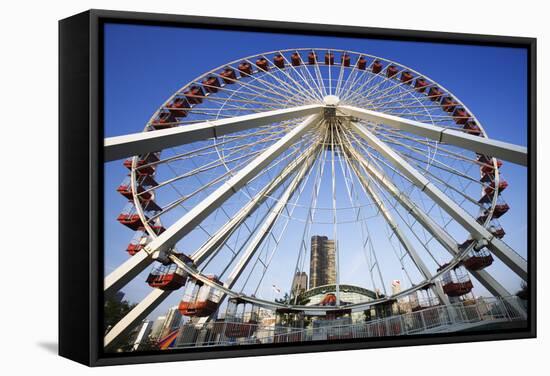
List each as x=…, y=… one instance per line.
x=221, y=236
x=500, y=249
x=403, y=239
x=138, y=313
x=267, y=225
x=145, y=142
x=127, y=271
x=509, y=152
x=428, y=223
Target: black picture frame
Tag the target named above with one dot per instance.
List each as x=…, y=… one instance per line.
x=80, y=165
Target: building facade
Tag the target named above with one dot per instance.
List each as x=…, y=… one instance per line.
x=322, y=265
x=299, y=283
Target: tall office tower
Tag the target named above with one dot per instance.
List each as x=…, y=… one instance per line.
x=299, y=283
x=172, y=322
x=395, y=286
x=322, y=265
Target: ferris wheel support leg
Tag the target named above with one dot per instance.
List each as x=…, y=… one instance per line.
x=509, y=152
x=403, y=239
x=220, y=237
x=126, y=272
x=506, y=254
x=145, y=142
x=266, y=227
x=160, y=245
x=138, y=313
x=194, y=216
x=432, y=227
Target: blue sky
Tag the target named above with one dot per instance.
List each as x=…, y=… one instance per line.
x=146, y=64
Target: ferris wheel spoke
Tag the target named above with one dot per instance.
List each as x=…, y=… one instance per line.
x=144, y=142
x=403, y=239
x=506, y=151
x=499, y=248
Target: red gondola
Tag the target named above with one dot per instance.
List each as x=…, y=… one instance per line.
x=376, y=67
x=137, y=243
x=448, y=104
x=490, y=189
x=130, y=220
x=406, y=77
x=456, y=282
x=500, y=210
x=498, y=232
x=245, y=69
x=329, y=58
x=168, y=278
x=312, y=58
x=240, y=321
x=295, y=59
x=142, y=164
x=489, y=167
x=472, y=128
x=228, y=75
x=211, y=84
x=194, y=95
x=460, y=116
x=279, y=61
x=346, y=60
x=362, y=63
x=164, y=120
x=125, y=189
x=200, y=300
x=435, y=93
x=178, y=107
x=478, y=261
x=391, y=71
x=262, y=64
x=420, y=85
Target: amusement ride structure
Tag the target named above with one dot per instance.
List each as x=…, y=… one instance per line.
x=309, y=141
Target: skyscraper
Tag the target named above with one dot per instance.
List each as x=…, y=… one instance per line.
x=322, y=265
x=299, y=283
x=172, y=322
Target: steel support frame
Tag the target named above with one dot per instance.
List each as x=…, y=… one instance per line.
x=145, y=142
x=430, y=225
x=503, y=150
x=158, y=246
x=401, y=236
x=500, y=249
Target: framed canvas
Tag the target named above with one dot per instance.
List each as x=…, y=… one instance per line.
x=239, y=187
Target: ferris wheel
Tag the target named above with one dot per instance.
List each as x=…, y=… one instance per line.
x=237, y=171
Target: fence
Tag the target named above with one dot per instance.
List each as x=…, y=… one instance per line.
x=454, y=317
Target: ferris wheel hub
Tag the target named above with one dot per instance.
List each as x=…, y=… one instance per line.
x=331, y=100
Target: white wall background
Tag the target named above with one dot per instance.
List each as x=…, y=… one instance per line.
x=28, y=69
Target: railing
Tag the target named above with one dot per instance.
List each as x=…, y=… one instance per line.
x=454, y=317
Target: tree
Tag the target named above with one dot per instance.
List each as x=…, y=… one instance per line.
x=285, y=299
x=523, y=293
x=113, y=311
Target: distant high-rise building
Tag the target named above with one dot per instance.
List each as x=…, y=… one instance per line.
x=299, y=283
x=322, y=264
x=118, y=296
x=172, y=322
x=157, y=327
x=143, y=334
x=395, y=286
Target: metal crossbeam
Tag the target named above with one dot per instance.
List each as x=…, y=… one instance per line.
x=403, y=239
x=138, y=313
x=506, y=254
x=145, y=142
x=428, y=223
x=124, y=273
x=223, y=233
x=509, y=152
